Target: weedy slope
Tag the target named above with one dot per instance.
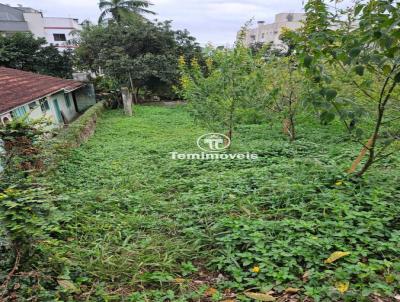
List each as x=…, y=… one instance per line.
x=149, y=228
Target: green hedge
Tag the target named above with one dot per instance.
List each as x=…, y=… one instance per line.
x=73, y=136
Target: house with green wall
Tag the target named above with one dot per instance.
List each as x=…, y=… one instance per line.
x=34, y=95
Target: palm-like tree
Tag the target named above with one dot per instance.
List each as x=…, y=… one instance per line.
x=122, y=8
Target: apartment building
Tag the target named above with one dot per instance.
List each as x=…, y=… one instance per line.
x=56, y=31
x=269, y=33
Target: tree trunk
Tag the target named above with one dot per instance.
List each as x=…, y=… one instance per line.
x=357, y=161
x=289, y=128
x=137, y=95
x=127, y=100
x=374, y=138
x=292, y=129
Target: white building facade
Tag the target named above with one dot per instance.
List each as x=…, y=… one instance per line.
x=269, y=33
x=57, y=31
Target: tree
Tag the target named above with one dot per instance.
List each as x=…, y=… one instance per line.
x=285, y=91
x=357, y=50
x=25, y=52
x=119, y=9
x=139, y=54
x=229, y=84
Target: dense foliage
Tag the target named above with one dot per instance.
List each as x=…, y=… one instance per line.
x=341, y=64
x=124, y=221
x=137, y=53
x=24, y=51
x=357, y=51
x=145, y=227
x=123, y=9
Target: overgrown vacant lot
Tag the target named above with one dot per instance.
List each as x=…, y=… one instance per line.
x=148, y=228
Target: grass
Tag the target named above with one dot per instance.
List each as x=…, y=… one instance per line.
x=144, y=227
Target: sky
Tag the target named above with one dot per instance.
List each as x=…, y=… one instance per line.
x=215, y=21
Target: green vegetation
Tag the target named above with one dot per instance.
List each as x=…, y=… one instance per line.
x=136, y=53
x=119, y=219
x=148, y=228
x=24, y=51
x=120, y=9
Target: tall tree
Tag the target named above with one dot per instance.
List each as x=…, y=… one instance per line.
x=142, y=55
x=119, y=9
x=357, y=49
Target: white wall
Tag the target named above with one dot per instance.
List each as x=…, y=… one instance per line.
x=36, y=113
x=35, y=24
x=60, y=26
x=46, y=27
x=266, y=33
x=85, y=97
x=69, y=112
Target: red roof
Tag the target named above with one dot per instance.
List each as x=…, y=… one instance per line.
x=20, y=87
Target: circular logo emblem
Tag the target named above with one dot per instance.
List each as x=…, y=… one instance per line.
x=213, y=142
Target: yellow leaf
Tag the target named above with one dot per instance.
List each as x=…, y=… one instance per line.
x=260, y=296
x=390, y=278
x=292, y=290
x=68, y=285
x=335, y=256
x=210, y=292
x=179, y=280
x=342, y=287
x=246, y=210
x=255, y=269
x=339, y=183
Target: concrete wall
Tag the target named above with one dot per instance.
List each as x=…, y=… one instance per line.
x=35, y=24
x=68, y=112
x=85, y=97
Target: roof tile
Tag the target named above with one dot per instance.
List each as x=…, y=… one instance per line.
x=19, y=87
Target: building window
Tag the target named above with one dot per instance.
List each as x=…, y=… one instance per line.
x=44, y=105
x=19, y=112
x=59, y=37
x=32, y=105
x=262, y=36
x=253, y=37
x=67, y=100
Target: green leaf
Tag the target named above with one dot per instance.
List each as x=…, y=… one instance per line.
x=308, y=60
x=354, y=52
x=359, y=132
x=386, y=69
x=330, y=94
x=358, y=9
x=359, y=69
x=377, y=34
x=397, y=77
x=327, y=117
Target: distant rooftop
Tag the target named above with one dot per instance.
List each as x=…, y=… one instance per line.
x=26, y=9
